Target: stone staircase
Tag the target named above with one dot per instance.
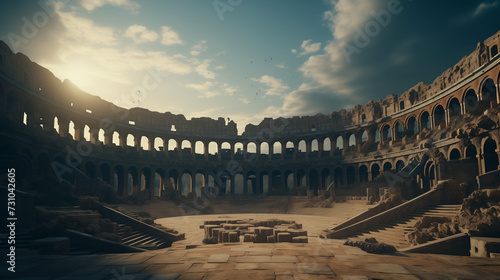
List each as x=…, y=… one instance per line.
x=140, y=239
x=393, y=233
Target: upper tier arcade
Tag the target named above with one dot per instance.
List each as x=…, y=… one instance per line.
x=345, y=147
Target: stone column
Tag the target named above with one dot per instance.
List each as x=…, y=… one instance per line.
x=137, y=143
x=123, y=139
x=179, y=148
x=63, y=127
x=94, y=135
x=308, y=149
x=78, y=131
x=320, y=148
x=165, y=147
x=333, y=146
x=283, y=151
x=205, y=151
x=219, y=151
x=108, y=138
x=271, y=151
x=295, y=150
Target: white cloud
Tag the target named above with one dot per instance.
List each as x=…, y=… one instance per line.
x=294, y=51
x=281, y=66
x=244, y=100
x=82, y=29
x=308, y=48
x=91, y=5
x=201, y=87
x=202, y=69
x=210, y=94
x=276, y=87
x=140, y=34
x=170, y=37
x=482, y=7
x=198, y=48
x=331, y=74
x=220, y=67
x=229, y=90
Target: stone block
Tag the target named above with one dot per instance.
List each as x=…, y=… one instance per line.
x=234, y=237
x=284, y=237
x=249, y=237
x=215, y=232
x=297, y=232
x=209, y=229
x=271, y=239
x=230, y=226
x=51, y=245
x=482, y=246
x=299, y=239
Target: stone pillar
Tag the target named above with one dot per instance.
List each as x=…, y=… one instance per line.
x=295, y=150
x=308, y=149
x=333, y=146
x=78, y=132
x=123, y=139
x=165, y=147
x=151, y=143
x=193, y=149
x=231, y=191
x=205, y=151
x=358, y=143
x=231, y=148
x=179, y=148
x=219, y=151
x=257, y=151
x=369, y=175
x=94, y=135
x=108, y=138
x=283, y=182
x=137, y=143
x=63, y=127
x=245, y=184
x=283, y=151
x=48, y=123
x=320, y=148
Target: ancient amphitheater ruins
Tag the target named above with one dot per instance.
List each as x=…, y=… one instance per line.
x=425, y=150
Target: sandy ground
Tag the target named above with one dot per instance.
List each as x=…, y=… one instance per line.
x=187, y=219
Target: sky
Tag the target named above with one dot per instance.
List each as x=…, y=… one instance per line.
x=246, y=59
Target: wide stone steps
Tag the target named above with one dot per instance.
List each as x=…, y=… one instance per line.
x=139, y=239
x=393, y=232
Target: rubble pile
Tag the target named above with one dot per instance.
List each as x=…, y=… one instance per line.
x=479, y=216
x=268, y=231
x=371, y=245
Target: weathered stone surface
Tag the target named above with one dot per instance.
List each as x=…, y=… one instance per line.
x=249, y=237
x=284, y=237
x=51, y=245
x=300, y=239
x=271, y=239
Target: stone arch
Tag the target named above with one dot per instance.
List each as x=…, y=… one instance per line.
x=490, y=155
x=173, y=178
x=375, y=170
x=301, y=178
x=132, y=180
x=470, y=151
x=398, y=130
x=387, y=166
x=56, y=125
x=363, y=173
x=172, y=144
x=199, y=147
x=213, y=148
x=327, y=144
x=264, y=148
x=454, y=108
x=326, y=178
x=119, y=183
x=351, y=175
x=302, y=147
x=199, y=182
x=338, y=176
x=425, y=122
x=277, y=147
x=186, y=185
x=144, y=143
x=364, y=137
x=289, y=179
x=264, y=179
x=276, y=180
x=340, y=142
x=470, y=101
x=454, y=154
x=90, y=169
x=158, y=144
x=314, y=145
x=386, y=133
x=238, y=148
x=251, y=182
x=439, y=116
x=411, y=126
x=130, y=140
x=251, y=148
x=489, y=93
x=226, y=151
x=86, y=133
x=314, y=183
x=115, y=139
x=352, y=140
x=400, y=164
x=105, y=172
x=159, y=182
